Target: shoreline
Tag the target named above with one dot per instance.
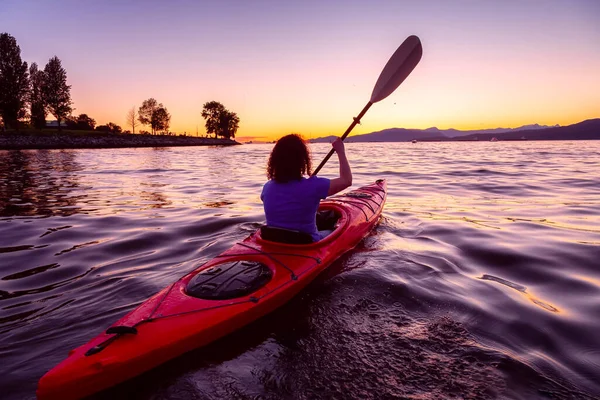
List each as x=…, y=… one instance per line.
x=14, y=141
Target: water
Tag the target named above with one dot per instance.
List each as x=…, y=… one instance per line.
x=481, y=281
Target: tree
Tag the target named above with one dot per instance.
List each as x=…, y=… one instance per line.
x=84, y=122
x=57, y=94
x=146, y=111
x=110, y=127
x=36, y=98
x=14, y=81
x=229, y=125
x=154, y=114
x=211, y=112
x=220, y=120
x=161, y=119
x=71, y=122
x=114, y=128
x=132, y=118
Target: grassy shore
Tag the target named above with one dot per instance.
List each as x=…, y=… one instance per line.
x=74, y=139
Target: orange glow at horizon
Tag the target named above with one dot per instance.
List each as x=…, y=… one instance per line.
x=460, y=94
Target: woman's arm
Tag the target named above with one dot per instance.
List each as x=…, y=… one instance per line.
x=345, y=179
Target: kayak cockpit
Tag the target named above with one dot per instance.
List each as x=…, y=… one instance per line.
x=241, y=278
x=328, y=220
x=229, y=280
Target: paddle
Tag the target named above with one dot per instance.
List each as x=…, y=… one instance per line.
x=399, y=66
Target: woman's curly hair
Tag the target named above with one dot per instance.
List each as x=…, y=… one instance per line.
x=289, y=160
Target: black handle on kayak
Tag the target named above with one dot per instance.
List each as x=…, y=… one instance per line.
x=118, y=331
x=352, y=125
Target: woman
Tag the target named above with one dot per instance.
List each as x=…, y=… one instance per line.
x=291, y=196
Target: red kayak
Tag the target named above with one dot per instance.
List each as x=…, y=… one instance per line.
x=242, y=284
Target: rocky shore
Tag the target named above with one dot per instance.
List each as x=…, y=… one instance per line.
x=14, y=141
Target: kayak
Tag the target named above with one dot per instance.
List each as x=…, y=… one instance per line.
x=246, y=282
x=251, y=279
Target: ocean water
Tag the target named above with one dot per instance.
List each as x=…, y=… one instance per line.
x=481, y=281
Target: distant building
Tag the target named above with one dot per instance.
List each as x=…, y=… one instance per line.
x=54, y=124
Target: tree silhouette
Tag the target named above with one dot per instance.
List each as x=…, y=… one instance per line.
x=36, y=97
x=132, y=118
x=14, y=81
x=145, y=112
x=110, y=127
x=57, y=94
x=211, y=112
x=229, y=124
x=154, y=114
x=84, y=122
x=161, y=119
x=220, y=120
x=114, y=128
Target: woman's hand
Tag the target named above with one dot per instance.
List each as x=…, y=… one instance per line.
x=338, y=146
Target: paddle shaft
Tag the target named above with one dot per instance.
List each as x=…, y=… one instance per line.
x=352, y=125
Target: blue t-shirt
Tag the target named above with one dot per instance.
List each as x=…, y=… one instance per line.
x=294, y=204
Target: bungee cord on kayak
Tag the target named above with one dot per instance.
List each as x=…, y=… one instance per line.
x=358, y=196
x=358, y=203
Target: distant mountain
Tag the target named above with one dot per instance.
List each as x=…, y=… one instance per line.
x=387, y=135
x=455, y=133
x=589, y=129
x=585, y=130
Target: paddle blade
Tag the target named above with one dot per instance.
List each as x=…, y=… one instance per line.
x=400, y=65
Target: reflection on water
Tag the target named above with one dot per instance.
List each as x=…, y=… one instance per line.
x=29, y=272
x=153, y=197
x=49, y=182
x=481, y=280
x=218, y=204
x=521, y=289
x=39, y=183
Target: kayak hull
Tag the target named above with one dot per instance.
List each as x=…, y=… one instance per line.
x=172, y=322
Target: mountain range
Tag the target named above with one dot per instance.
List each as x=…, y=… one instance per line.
x=585, y=130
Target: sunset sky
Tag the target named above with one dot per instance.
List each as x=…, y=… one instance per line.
x=310, y=66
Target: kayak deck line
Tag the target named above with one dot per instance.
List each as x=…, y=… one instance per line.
x=358, y=201
x=357, y=204
x=294, y=276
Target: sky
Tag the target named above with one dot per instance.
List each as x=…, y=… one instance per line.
x=309, y=66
